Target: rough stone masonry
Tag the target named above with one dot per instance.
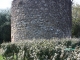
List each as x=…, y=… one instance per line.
x=40, y=19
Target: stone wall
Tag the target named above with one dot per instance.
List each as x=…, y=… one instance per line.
x=40, y=19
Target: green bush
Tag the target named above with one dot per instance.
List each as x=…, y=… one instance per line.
x=42, y=50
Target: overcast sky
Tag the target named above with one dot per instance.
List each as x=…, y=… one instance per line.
x=4, y=4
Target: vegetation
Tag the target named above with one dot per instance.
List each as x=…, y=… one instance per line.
x=76, y=21
x=1, y=58
x=56, y=49
x=5, y=28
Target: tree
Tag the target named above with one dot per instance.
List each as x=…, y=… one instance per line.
x=76, y=20
x=5, y=28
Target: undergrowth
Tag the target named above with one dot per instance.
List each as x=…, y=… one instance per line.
x=55, y=49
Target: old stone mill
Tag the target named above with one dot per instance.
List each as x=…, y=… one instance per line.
x=40, y=19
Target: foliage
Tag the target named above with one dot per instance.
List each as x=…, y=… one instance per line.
x=1, y=58
x=55, y=49
x=5, y=28
x=76, y=21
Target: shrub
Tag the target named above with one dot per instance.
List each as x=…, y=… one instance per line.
x=42, y=50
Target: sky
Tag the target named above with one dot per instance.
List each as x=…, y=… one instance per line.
x=6, y=4
x=76, y=1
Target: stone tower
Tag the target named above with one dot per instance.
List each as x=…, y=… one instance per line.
x=40, y=19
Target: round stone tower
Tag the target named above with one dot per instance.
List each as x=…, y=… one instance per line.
x=40, y=19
